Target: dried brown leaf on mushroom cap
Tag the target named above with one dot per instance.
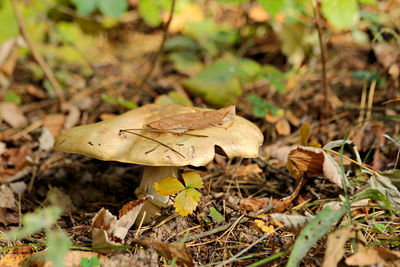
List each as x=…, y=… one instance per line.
x=103, y=140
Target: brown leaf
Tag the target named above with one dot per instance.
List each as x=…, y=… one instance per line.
x=16, y=256
x=54, y=123
x=283, y=127
x=302, y=161
x=169, y=251
x=108, y=231
x=335, y=244
x=12, y=114
x=35, y=91
x=245, y=170
x=372, y=256
x=195, y=121
x=314, y=161
x=253, y=204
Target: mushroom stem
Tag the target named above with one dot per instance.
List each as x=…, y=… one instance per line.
x=146, y=188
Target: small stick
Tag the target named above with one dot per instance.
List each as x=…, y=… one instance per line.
x=161, y=49
x=323, y=54
x=154, y=140
x=42, y=62
x=165, y=131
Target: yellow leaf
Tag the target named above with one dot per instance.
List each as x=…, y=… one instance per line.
x=168, y=186
x=187, y=201
x=304, y=134
x=192, y=180
x=264, y=226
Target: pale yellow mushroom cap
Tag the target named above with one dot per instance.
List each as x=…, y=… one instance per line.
x=103, y=140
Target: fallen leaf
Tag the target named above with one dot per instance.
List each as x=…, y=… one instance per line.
x=72, y=259
x=7, y=199
x=265, y=227
x=73, y=116
x=385, y=186
x=279, y=152
x=283, y=127
x=169, y=251
x=54, y=123
x=108, y=231
x=314, y=161
x=374, y=255
x=253, y=204
x=16, y=256
x=305, y=162
x=245, y=170
x=292, y=222
x=304, y=134
x=195, y=121
x=35, y=91
x=257, y=13
x=46, y=140
x=385, y=52
x=335, y=248
x=10, y=113
x=61, y=199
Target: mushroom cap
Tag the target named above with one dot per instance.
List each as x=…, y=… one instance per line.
x=103, y=140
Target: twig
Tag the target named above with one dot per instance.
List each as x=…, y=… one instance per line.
x=323, y=54
x=370, y=100
x=161, y=49
x=233, y=258
x=42, y=62
x=154, y=140
x=164, y=131
x=228, y=225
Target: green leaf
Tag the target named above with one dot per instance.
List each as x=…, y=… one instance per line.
x=108, y=99
x=220, y=83
x=186, y=62
x=168, y=186
x=340, y=13
x=173, y=98
x=58, y=246
x=126, y=103
x=92, y=262
x=192, y=180
x=375, y=195
x=84, y=7
x=368, y=2
x=114, y=8
x=187, y=201
x=149, y=11
x=274, y=7
x=12, y=97
x=34, y=222
x=260, y=106
x=314, y=230
x=216, y=216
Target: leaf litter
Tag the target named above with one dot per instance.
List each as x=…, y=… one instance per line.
x=92, y=185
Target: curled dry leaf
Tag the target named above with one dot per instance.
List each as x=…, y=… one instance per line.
x=336, y=241
x=108, y=231
x=7, y=204
x=374, y=255
x=169, y=251
x=314, y=161
x=195, y=121
x=292, y=222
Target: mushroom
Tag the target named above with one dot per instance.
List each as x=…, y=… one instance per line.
x=162, y=152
